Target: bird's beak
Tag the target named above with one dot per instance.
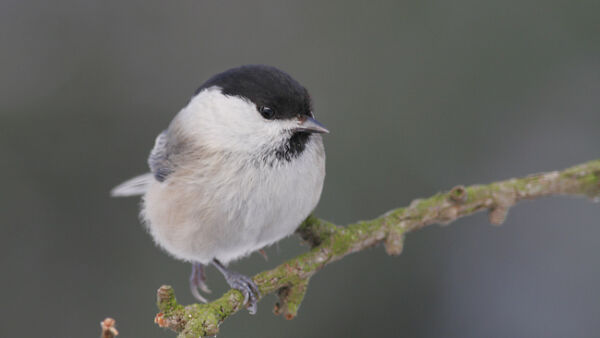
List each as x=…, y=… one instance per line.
x=310, y=125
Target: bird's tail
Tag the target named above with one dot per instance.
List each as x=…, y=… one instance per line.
x=133, y=187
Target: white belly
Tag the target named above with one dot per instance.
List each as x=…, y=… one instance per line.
x=234, y=209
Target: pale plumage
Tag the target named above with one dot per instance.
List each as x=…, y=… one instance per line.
x=229, y=196
x=238, y=169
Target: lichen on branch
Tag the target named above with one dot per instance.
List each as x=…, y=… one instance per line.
x=330, y=242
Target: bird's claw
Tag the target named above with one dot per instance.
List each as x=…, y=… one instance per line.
x=243, y=284
x=198, y=280
x=247, y=287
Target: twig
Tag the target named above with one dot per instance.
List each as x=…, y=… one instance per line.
x=331, y=243
x=108, y=328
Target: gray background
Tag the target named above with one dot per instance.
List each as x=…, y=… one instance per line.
x=420, y=95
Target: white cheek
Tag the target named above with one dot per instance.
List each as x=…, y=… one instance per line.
x=223, y=122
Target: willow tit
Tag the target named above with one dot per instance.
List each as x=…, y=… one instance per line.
x=238, y=169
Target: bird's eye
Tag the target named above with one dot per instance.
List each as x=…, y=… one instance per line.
x=266, y=112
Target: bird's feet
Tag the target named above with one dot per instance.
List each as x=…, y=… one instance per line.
x=242, y=283
x=198, y=280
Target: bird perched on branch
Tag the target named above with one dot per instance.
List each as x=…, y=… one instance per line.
x=238, y=169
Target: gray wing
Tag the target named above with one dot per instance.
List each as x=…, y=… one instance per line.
x=159, y=163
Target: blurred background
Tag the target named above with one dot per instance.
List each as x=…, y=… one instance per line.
x=419, y=95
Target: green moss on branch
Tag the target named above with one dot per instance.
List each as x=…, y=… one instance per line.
x=330, y=242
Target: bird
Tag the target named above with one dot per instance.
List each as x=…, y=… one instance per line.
x=238, y=169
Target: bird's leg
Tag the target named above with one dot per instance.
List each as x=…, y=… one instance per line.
x=198, y=280
x=242, y=283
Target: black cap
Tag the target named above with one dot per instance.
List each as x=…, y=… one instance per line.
x=265, y=86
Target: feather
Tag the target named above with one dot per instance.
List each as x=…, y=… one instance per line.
x=133, y=187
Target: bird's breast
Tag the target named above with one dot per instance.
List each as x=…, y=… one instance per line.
x=229, y=211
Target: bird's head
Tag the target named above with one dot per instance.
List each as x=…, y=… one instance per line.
x=251, y=108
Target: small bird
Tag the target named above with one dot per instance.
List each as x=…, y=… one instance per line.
x=238, y=169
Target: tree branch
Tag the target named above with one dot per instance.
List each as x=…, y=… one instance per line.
x=108, y=328
x=331, y=243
